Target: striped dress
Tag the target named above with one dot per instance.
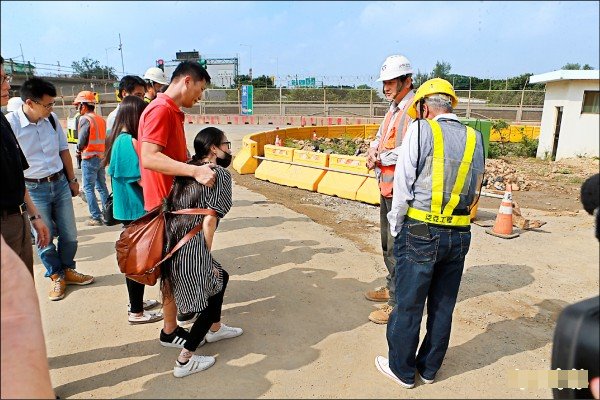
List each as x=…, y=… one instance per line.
x=192, y=265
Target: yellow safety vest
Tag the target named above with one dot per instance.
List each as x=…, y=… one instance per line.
x=72, y=128
x=445, y=216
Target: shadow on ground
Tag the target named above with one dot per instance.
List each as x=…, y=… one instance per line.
x=282, y=338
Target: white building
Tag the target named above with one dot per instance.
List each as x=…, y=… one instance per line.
x=570, y=120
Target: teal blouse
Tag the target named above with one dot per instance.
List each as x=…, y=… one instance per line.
x=124, y=170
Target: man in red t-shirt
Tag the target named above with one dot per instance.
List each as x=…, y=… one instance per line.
x=163, y=155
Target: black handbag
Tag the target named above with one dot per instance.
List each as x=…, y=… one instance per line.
x=107, y=213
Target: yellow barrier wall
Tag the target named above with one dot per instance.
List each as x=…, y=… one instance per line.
x=371, y=131
x=305, y=177
x=340, y=184
x=515, y=133
x=369, y=191
x=244, y=162
x=275, y=172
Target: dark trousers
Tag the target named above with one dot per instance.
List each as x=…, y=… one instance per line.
x=135, y=290
x=17, y=234
x=207, y=317
x=426, y=269
x=387, y=246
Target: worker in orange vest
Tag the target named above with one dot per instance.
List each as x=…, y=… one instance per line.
x=91, y=131
x=396, y=75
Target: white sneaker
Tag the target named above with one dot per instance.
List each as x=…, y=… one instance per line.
x=146, y=317
x=383, y=365
x=195, y=364
x=224, y=332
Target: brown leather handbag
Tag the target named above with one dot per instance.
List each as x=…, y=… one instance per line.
x=140, y=245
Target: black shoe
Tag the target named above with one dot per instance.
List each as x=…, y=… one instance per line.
x=175, y=339
x=187, y=318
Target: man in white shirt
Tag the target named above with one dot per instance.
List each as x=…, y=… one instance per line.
x=396, y=75
x=50, y=181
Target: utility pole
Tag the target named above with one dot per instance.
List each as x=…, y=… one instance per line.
x=468, y=113
x=23, y=58
x=121, y=49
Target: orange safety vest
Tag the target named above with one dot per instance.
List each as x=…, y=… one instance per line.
x=390, y=139
x=96, y=139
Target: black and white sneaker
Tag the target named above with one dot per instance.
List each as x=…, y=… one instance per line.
x=175, y=339
x=195, y=364
x=187, y=318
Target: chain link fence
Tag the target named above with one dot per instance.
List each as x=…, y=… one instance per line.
x=514, y=105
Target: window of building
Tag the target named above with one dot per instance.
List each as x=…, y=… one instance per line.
x=591, y=102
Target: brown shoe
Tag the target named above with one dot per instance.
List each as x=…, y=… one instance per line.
x=380, y=294
x=382, y=315
x=73, y=277
x=94, y=222
x=57, y=287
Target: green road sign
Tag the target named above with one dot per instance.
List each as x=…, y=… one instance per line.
x=247, y=99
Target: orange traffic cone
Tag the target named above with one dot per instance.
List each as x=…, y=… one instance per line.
x=503, y=227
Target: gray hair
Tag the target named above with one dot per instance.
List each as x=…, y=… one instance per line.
x=440, y=102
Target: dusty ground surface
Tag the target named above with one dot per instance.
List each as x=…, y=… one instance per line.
x=299, y=264
x=555, y=192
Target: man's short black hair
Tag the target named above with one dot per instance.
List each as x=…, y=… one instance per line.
x=193, y=69
x=36, y=88
x=128, y=84
x=1, y=60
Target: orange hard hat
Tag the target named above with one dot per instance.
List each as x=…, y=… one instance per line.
x=85, y=97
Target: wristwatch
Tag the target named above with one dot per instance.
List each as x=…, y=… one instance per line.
x=34, y=217
x=73, y=180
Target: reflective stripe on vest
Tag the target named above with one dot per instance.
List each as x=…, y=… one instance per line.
x=96, y=138
x=437, y=215
x=391, y=140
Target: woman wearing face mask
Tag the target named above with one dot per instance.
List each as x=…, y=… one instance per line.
x=196, y=280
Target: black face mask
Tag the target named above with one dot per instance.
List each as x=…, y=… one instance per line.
x=225, y=161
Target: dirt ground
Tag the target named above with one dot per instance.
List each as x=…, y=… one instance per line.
x=300, y=263
x=556, y=191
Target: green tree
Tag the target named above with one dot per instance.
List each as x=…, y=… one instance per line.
x=263, y=81
x=441, y=70
x=89, y=68
x=576, y=66
x=242, y=80
x=419, y=78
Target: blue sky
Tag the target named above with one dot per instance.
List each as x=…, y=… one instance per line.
x=327, y=40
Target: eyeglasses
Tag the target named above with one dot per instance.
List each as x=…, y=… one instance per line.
x=227, y=143
x=46, y=106
x=7, y=78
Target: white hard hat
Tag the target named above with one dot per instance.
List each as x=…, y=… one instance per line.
x=13, y=104
x=156, y=74
x=393, y=67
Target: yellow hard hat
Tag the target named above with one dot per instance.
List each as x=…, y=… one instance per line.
x=428, y=88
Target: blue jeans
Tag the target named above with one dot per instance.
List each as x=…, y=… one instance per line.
x=426, y=269
x=55, y=205
x=94, y=176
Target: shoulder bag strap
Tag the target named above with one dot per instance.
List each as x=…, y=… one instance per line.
x=190, y=234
